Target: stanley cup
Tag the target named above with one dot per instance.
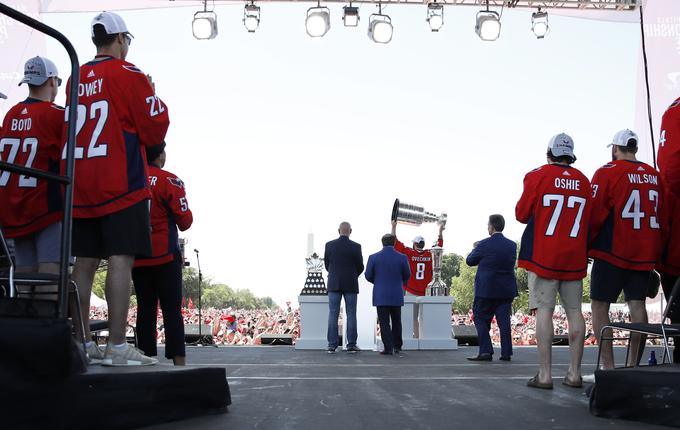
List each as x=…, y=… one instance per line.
x=407, y=213
x=437, y=287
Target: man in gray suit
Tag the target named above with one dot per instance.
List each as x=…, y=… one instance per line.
x=344, y=263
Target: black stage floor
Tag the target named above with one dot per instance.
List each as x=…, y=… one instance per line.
x=281, y=388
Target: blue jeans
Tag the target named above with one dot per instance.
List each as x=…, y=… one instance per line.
x=334, y=298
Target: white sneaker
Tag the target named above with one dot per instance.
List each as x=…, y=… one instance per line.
x=95, y=354
x=589, y=378
x=127, y=356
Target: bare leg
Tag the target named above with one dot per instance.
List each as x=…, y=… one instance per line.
x=83, y=276
x=118, y=281
x=577, y=329
x=638, y=314
x=601, y=319
x=544, y=338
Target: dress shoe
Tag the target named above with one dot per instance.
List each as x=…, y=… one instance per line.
x=385, y=353
x=508, y=358
x=481, y=357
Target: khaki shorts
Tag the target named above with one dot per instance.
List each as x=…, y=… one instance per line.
x=543, y=293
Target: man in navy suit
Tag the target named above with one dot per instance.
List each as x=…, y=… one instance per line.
x=388, y=271
x=495, y=288
x=344, y=263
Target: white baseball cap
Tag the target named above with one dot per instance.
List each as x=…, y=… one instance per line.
x=418, y=239
x=112, y=22
x=561, y=144
x=38, y=70
x=625, y=138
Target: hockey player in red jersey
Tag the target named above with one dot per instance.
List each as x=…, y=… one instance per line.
x=625, y=236
x=31, y=137
x=555, y=207
x=118, y=115
x=159, y=278
x=668, y=161
x=420, y=263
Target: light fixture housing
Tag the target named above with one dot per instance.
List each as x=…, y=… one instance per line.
x=435, y=16
x=539, y=24
x=488, y=26
x=251, y=17
x=350, y=16
x=318, y=21
x=204, y=25
x=380, y=28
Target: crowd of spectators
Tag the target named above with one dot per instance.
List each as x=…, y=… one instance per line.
x=246, y=327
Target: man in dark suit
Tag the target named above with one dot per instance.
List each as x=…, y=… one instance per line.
x=344, y=263
x=495, y=288
x=388, y=271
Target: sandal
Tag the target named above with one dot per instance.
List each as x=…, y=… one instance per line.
x=534, y=383
x=573, y=384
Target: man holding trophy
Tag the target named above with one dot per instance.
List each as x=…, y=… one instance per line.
x=420, y=259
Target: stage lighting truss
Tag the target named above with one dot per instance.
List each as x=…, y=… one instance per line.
x=350, y=16
x=435, y=16
x=318, y=21
x=488, y=25
x=539, y=24
x=204, y=25
x=251, y=17
x=380, y=27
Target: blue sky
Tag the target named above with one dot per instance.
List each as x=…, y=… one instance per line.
x=277, y=135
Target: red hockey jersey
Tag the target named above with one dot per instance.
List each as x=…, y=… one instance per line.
x=668, y=161
x=32, y=138
x=420, y=263
x=118, y=114
x=668, y=158
x=169, y=211
x=555, y=206
x=625, y=226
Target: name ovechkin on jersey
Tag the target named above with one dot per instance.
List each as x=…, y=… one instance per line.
x=420, y=258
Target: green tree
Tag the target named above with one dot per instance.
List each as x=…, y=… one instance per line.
x=463, y=287
x=451, y=267
x=218, y=296
x=98, y=285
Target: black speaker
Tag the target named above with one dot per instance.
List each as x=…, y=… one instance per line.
x=277, y=339
x=561, y=340
x=466, y=335
x=191, y=333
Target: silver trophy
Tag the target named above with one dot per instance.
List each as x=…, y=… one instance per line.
x=407, y=213
x=437, y=287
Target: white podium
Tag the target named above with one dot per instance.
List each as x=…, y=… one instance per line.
x=313, y=322
x=407, y=323
x=434, y=322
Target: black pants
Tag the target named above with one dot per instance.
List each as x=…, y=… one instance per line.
x=667, y=283
x=153, y=284
x=391, y=337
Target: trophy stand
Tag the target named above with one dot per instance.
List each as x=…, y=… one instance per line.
x=313, y=302
x=434, y=320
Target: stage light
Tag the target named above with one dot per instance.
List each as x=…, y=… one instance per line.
x=251, y=17
x=539, y=24
x=350, y=16
x=435, y=16
x=204, y=25
x=318, y=21
x=380, y=27
x=488, y=26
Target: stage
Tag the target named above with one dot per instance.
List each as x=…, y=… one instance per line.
x=277, y=387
